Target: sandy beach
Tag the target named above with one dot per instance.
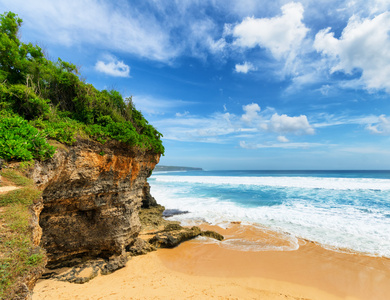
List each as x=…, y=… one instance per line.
x=201, y=269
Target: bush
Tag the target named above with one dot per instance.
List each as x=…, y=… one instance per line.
x=26, y=103
x=21, y=141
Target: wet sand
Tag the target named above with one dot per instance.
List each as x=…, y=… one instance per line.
x=202, y=269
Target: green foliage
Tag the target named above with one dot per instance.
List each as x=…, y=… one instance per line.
x=54, y=100
x=23, y=101
x=24, y=166
x=21, y=141
x=64, y=130
x=35, y=259
x=15, y=57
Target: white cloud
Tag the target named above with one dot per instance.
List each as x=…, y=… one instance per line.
x=282, y=139
x=113, y=67
x=251, y=112
x=324, y=90
x=179, y=115
x=286, y=124
x=281, y=35
x=275, y=123
x=245, y=145
x=381, y=127
x=324, y=120
x=363, y=46
x=227, y=127
x=107, y=25
x=157, y=106
x=212, y=129
x=244, y=68
x=165, y=30
x=202, y=32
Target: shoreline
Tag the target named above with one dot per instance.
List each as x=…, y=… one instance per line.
x=199, y=269
x=344, y=275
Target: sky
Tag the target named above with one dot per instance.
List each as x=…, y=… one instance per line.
x=240, y=84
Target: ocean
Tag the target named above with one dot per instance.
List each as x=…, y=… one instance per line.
x=346, y=211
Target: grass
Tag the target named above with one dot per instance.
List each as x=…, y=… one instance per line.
x=18, y=256
x=17, y=178
x=26, y=196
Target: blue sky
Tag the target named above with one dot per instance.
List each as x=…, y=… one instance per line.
x=236, y=84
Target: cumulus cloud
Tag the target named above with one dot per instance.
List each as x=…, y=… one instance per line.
x=251, y=112
x=113, y=67
x=244, y=68
x=281, y=35
x=286, y=124
x=381, y=127
x=282, y=139
x=276, y=123
x=223, y=127
x=363, y=46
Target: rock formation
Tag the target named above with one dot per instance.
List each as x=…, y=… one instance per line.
x=147, y=200
x=89, y=216
x=158, y=232
x=91, y=194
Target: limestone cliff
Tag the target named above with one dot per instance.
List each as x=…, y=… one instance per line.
x=91, y=194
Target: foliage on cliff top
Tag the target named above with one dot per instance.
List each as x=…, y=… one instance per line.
x=19, y=257
x=50, y=96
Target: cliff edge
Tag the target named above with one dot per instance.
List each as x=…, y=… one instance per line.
x=91, y=194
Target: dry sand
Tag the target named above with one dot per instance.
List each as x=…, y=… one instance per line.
x=202, y=270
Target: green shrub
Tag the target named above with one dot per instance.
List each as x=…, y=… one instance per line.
x=64, y=130
x=25, y=102
x=21, y=141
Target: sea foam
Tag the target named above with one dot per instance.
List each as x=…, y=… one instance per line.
x=339, y=213
x=300, y=182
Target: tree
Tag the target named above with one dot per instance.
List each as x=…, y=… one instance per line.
x=15, y=57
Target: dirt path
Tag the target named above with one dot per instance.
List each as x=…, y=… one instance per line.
x=6, y=185
x=5, y=189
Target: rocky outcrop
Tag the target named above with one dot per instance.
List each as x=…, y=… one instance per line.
x=158, y=232
x=173, y=235
x=84, y=272
x=147, y=200
x=91, y=194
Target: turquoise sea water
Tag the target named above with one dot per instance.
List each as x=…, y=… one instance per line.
x=338, y=209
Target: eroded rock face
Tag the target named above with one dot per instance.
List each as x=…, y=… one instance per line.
x=91, y=194
x=148, y=200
